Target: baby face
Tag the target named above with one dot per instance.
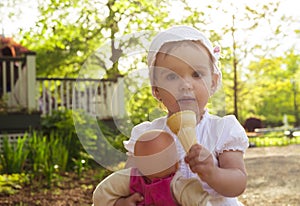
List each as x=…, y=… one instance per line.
x=183, y=78
x=155, y=154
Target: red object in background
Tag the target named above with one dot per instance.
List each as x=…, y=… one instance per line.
x=16, y=49
x=9, y=48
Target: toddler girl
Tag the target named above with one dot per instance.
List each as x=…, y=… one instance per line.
x=184, y=74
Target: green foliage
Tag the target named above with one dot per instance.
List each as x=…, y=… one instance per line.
x=273, y=139
x=14, y=155
x=12, y=183
x=112, y=135
x=61, y=120
x=142, y=106
x=49, y=153
x=66, y=33
x=61, y=125
x=239, y=49
x=81, y=133
x=274, y=92
x=48, y=156
x=61, y=41
x=42, y=156
x=139, y=102
x=79, y=166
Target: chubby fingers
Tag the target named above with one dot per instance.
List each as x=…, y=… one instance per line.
x=193, y=153
x=197, y=152
x=196, y=157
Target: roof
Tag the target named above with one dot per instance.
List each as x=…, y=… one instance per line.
x=8, y=43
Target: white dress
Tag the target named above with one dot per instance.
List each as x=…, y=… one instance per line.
x=217, y=134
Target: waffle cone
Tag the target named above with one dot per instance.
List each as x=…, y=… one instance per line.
x=183, y=124
x=187, y=137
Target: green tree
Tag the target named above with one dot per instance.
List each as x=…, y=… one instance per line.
x=64, y=35
x=68, y=32
x=244, y=22
x=275, y=88
x=292, y=61
x=241, y=24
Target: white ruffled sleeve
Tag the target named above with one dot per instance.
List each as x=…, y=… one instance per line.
x=233, y=137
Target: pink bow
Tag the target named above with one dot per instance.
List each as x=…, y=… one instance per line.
x=217, y=51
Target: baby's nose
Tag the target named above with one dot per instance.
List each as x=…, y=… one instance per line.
x=185, y=84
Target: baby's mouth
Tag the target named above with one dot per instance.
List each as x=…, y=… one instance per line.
x=186, y=100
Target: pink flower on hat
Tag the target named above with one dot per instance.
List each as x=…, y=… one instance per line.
x=217, y=51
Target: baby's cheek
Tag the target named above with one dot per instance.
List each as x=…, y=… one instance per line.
x=170, y=102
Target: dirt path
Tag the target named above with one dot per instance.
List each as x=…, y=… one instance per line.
x=273, y=176
x=274, y=180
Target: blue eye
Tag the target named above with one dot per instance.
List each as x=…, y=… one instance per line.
x=171, y=76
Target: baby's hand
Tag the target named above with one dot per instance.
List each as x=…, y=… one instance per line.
x=131, y=200
x=200, y=161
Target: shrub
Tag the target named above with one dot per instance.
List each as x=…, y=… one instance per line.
x=14, y=155
x=48, y=156
x=11, y=183
x=61, y=125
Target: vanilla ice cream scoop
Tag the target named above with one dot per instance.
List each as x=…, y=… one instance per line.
x=183, y=124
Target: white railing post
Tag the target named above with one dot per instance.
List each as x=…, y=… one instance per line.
x=4, y=77
x=104, y=99
x=121, y=97
x=31, y=79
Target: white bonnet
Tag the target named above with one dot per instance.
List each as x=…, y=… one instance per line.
x=181, y=33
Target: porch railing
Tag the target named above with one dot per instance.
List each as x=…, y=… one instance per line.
x=17, y=81
x=103, y=98
x=20, y=88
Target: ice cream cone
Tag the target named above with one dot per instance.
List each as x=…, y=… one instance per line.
x=183, y=124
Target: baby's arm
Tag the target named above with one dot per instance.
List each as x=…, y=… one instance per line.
x=112, y=188
x=228, y=179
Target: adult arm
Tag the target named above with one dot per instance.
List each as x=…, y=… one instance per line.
x=131, y=200
x=112, y=188
x=189, y=191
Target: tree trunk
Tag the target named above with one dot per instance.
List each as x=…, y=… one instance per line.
x=297, y=122
x=235, y=65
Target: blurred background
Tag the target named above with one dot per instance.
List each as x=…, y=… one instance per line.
x=75, y=74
